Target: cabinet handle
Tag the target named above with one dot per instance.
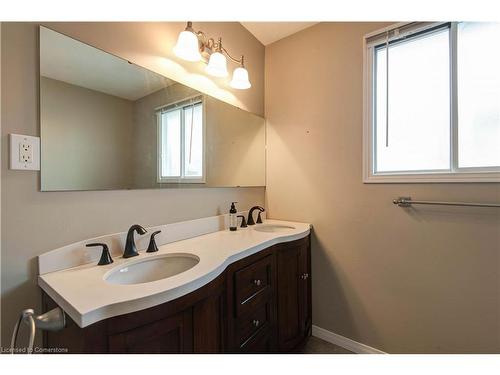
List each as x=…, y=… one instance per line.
x=304, y=276
x=257, y=282
x=256, y=323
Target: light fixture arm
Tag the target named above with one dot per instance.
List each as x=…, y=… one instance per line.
x=212, y=45
x=239, y=61
x=205, y=41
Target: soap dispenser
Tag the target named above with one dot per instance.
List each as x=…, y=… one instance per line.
x=233, y=220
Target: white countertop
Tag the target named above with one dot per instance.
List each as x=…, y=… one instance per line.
x=87, y=298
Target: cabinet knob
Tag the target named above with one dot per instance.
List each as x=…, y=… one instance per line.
x=257, y=282
x=256, y=323
x=304, y=276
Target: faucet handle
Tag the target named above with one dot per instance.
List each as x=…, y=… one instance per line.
x=243, y=221
x=259, y=219
x=105, y=255
x=152, y=243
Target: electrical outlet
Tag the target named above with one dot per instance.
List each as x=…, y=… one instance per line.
x=24, y=152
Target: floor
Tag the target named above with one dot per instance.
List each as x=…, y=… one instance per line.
x=318, y=346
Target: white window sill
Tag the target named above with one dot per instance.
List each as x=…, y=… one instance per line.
x=431, y=178
x=180, y=181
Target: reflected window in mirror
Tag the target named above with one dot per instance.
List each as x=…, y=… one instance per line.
x=181, y=142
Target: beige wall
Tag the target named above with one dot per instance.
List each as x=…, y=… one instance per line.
x=418, y=281
x=236, y=142
x=34, y=222
x=96, y=151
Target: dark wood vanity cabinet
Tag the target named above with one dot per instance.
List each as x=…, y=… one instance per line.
x=260, y=304
x=194, y=323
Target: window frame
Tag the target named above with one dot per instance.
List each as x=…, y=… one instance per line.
x=454, y=174
x=181, y=105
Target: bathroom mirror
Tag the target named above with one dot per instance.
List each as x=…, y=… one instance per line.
x=107, y=123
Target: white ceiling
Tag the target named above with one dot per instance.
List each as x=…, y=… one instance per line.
x=71, y=61
x=270, y=32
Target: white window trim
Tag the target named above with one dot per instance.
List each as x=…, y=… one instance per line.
x=180, y=180
x=456, y=174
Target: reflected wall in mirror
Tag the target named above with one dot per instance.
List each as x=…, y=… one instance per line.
x=109, y=124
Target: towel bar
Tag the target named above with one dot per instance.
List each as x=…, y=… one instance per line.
x=408, y=202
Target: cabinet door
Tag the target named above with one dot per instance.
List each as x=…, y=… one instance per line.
x=304, y=292
x=293, y=294
x=208, y=325
x=173, y=334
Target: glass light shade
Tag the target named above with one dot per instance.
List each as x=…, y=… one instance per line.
x=217, y=65
x=240, y=79
x=187, y=46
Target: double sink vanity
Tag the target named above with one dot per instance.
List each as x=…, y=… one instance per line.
x=206, y=290
x=201, y=288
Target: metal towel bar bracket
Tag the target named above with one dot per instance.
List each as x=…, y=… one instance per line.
x=53, y=320
x=408, y=202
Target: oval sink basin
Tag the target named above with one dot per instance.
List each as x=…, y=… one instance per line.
x=152, y=269
x=272, y=228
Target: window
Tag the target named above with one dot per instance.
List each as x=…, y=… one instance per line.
x=432, y=103
x=181, y=142
x=478, y=73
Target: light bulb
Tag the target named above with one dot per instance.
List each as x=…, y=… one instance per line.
x=187, y=46
x=240, y=79
x=217, y=65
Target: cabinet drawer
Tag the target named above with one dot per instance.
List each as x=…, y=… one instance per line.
x=260, y=342
x=249, y=324
x=253, y=285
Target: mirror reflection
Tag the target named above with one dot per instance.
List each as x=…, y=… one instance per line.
x=109, y=124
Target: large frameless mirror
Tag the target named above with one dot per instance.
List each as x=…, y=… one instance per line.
x=109, y=124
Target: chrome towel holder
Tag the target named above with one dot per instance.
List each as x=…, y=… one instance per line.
x=408, y=202
x=53, y=320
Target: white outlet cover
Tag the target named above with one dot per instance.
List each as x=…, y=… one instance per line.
x=24, y=152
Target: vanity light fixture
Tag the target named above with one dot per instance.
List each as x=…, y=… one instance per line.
x=195, y=46
x=217, y=63
x=240, y=77
x=187, y=47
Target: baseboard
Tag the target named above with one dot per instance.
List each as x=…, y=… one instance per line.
x=346, y=343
